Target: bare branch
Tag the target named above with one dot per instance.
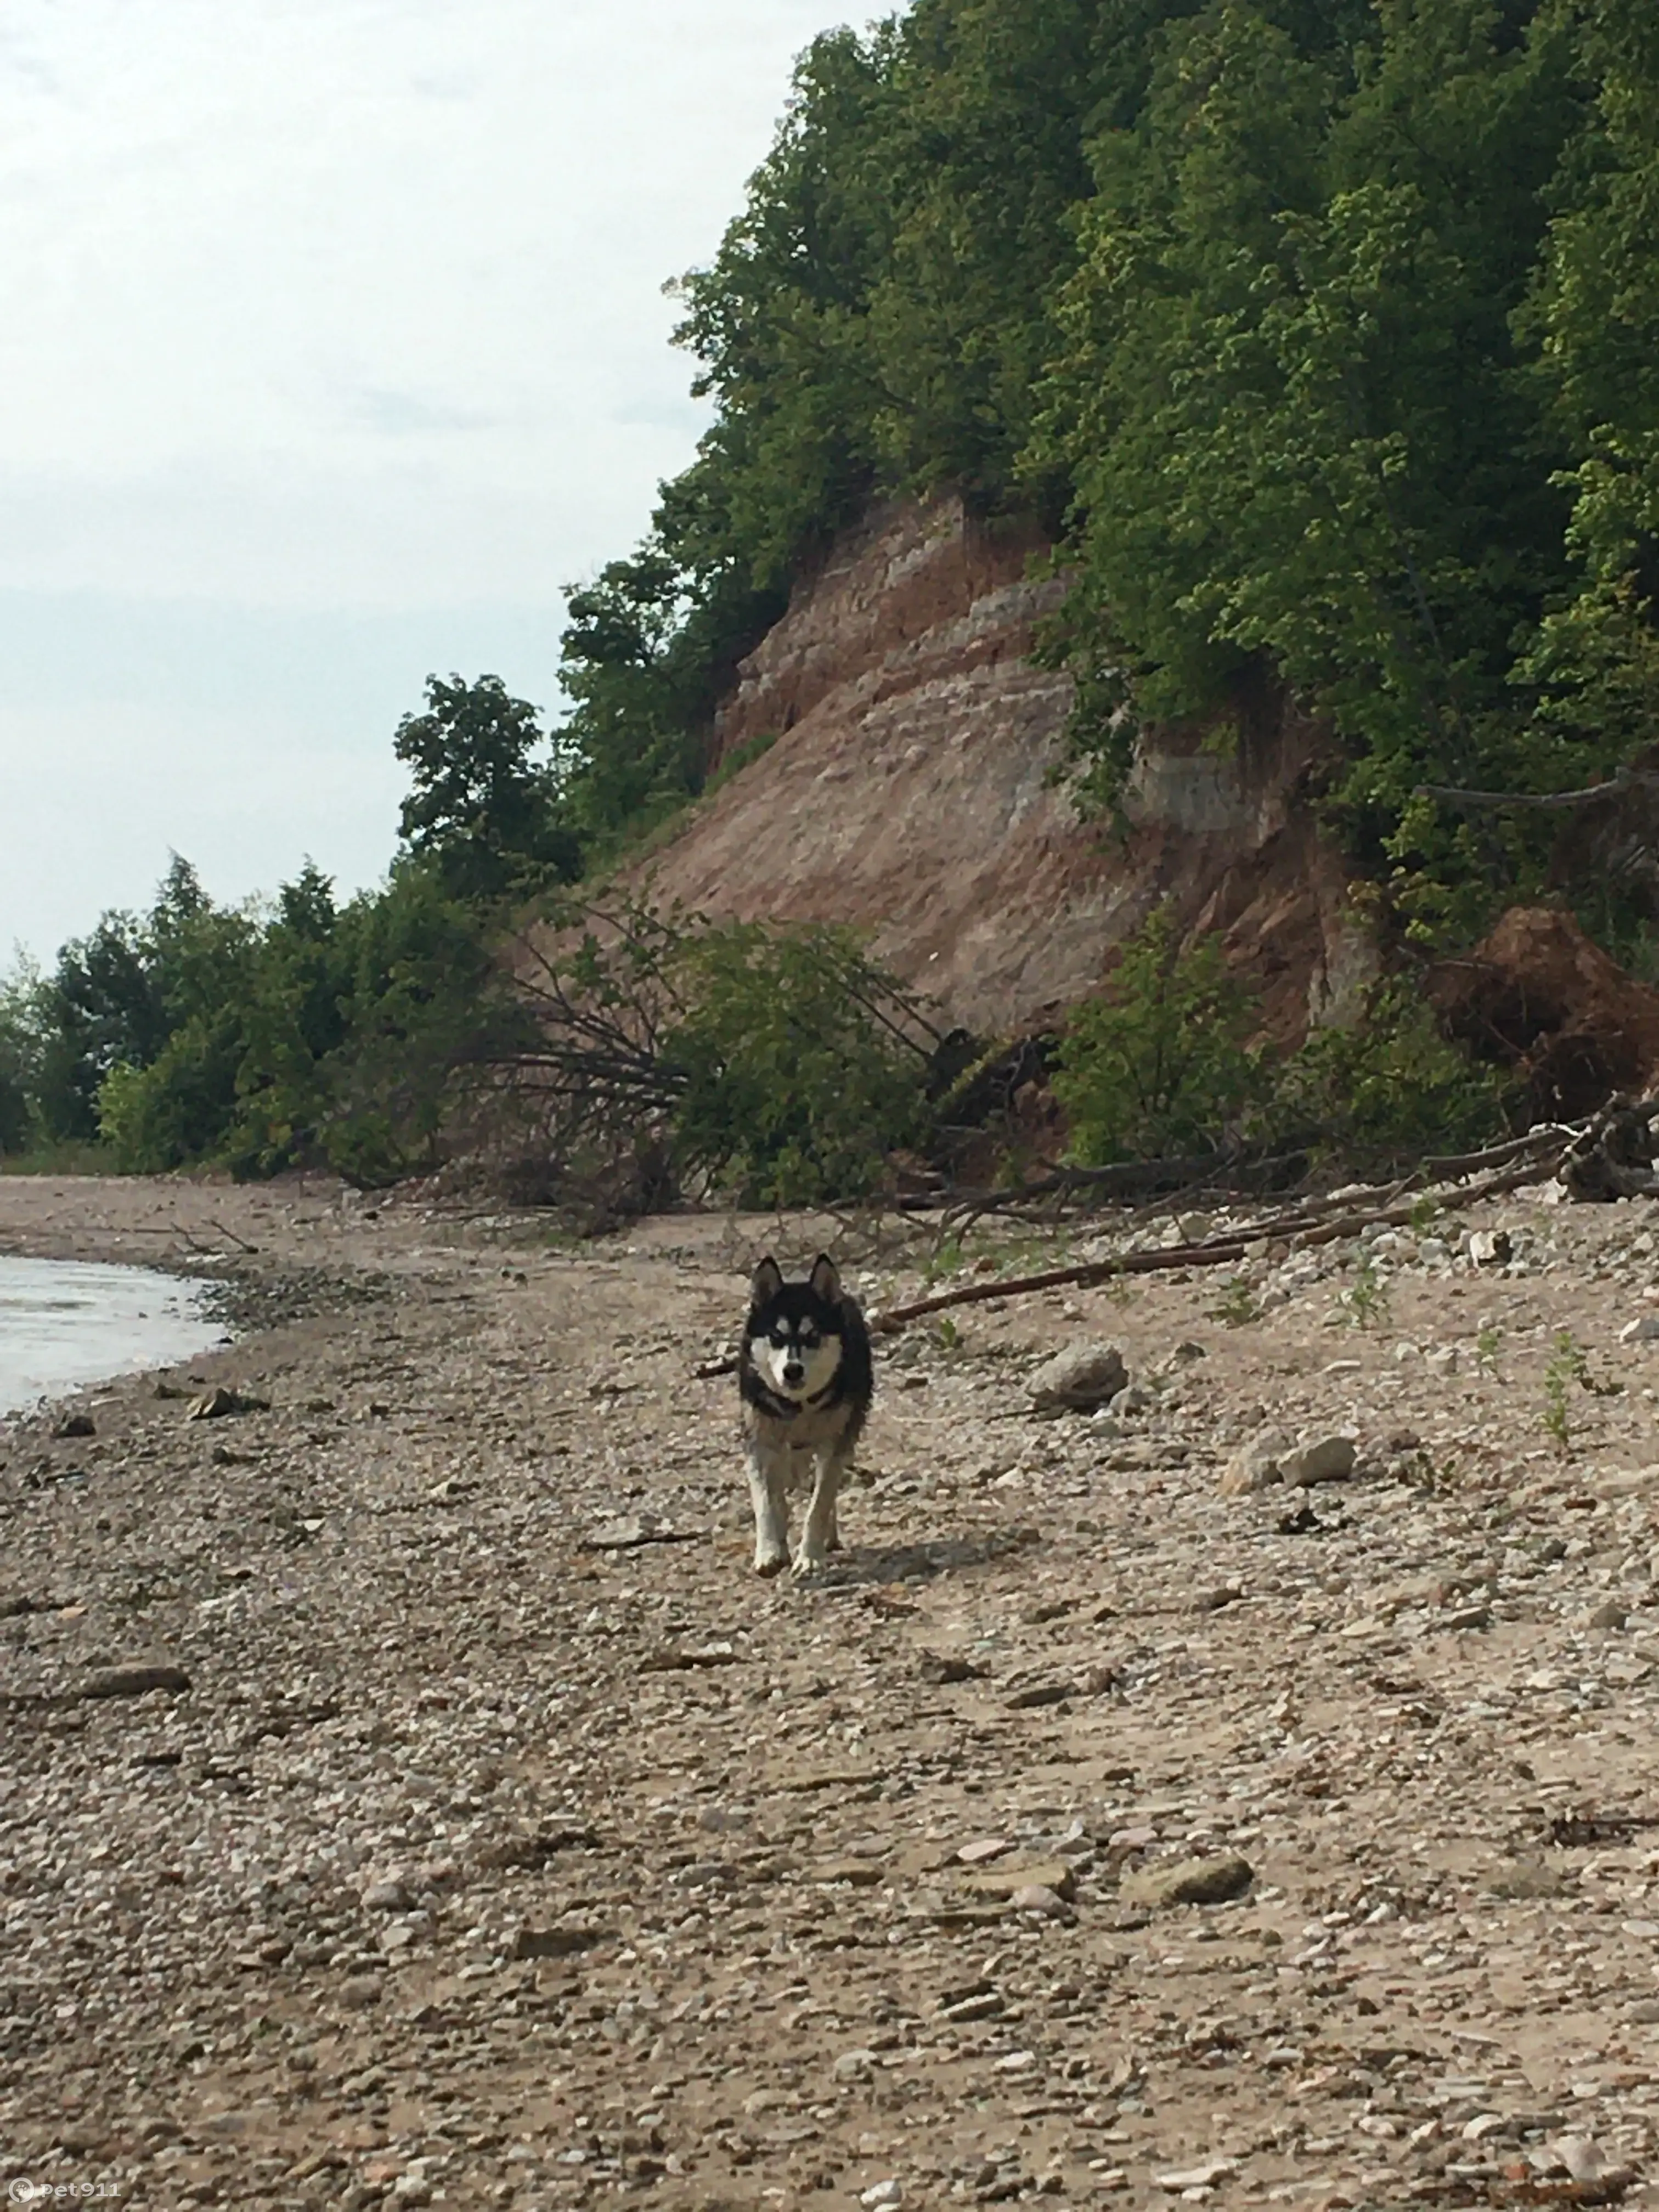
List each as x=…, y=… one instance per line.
x=1625, y=779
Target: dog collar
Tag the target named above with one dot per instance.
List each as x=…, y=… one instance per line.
x=786, y=1408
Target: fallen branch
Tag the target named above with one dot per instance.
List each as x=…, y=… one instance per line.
x=1126, y=1180
x=240, y=1243
x=1307, y=1227
x=1156, y=1182
x=1537, y=1156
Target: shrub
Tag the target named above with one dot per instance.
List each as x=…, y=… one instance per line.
x=1387, y=1092
x=1163, y=1064
x=175, y=1110
x=798, y=1061
x=780, y=1063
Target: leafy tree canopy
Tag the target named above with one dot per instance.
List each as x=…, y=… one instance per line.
x=483, y=811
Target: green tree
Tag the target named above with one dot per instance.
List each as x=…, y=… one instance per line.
x=116, y=996
x=103, y=1008
x=797, y=1062
x=646, y=657
x=294, y=1019
x=168, y=1092
x=1292, y=406
x=1592, y=674
x=482, y=810
x=22, y=1036
x=427, y=1003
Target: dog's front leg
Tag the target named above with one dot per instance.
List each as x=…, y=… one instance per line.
x=819, y=1537
x=767, y=1477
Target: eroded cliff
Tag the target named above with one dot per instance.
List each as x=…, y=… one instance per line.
x=910, y=786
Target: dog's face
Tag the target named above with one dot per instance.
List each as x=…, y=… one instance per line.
x=794, y=1331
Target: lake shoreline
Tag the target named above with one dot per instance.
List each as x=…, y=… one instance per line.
x=66, y=1325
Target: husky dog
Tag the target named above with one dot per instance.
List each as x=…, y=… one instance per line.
x=806, y=1380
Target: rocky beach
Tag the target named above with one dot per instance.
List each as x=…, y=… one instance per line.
x=1242, y=1791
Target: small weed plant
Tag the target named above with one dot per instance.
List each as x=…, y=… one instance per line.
x=1366, y=1301
x=1568, y=1364
x=1564, y=1367
x=944, y=1259
x=1439, y=1476
x=1237, y=1306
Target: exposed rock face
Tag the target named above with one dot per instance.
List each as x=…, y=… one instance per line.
x=909, y=789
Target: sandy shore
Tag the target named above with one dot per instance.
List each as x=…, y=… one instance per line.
x=469, y=1847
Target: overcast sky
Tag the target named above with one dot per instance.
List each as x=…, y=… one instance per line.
x=334, y=346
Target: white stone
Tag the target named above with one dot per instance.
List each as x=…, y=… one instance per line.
x=1197, y=2177
x=1255, y=1465
x=391, y=1895
x=1078, y=1379
x=852, y=2064
x=1580, y=2155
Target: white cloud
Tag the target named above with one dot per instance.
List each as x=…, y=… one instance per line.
x=325, y=305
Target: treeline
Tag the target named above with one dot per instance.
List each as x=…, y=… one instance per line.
x=590, y=1049
x=304, y=1027
x=251, y=1036
x=1321, y=332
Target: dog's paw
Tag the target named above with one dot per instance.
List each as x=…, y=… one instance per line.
x=770, y=1562
x=810, y=1563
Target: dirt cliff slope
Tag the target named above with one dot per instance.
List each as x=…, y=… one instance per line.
x=909, y=788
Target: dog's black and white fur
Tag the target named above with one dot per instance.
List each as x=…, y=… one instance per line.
x=806, y=1379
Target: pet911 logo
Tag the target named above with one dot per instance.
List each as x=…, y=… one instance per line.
x=22, y=2190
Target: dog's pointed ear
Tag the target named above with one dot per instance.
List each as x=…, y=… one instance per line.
x=766, y=1281
x=824, y=1282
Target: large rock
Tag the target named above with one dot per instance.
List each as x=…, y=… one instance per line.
x=1271, y=1457
x=1189, y=1882
x=1006, y=1882
x=1325, y=1458
x=1078, y=1379
x=1256, y=1464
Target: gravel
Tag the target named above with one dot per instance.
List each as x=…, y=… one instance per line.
x=411, y=1798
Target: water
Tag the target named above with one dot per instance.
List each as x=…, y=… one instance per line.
x=66, y=1322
